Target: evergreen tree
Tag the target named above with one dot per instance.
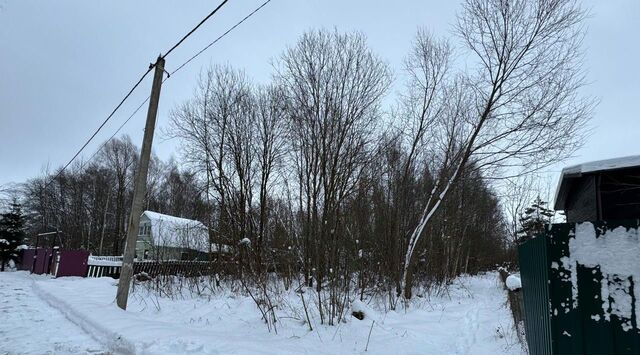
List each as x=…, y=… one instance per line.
x=534, y=220
x=11, y=233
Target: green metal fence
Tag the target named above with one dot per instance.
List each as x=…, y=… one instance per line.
x=556, y=322
x=534, y=273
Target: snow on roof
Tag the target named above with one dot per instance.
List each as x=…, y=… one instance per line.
x=602, y=165
x=590, y=167
x=178, y=232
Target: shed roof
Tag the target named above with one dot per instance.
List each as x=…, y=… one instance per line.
x=167, y=230
x=570, y=173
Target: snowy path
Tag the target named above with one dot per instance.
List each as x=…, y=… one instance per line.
x=471, y=318
x=28, y=325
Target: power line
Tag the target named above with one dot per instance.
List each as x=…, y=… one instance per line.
x=100, y=127
x=145, y=74
x=129, y=94
x=180, y=67
x=116, y=132
x=221, y=36
x=195, y=28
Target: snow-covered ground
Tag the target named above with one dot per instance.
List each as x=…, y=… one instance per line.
x=471, y=319
x=28, y=325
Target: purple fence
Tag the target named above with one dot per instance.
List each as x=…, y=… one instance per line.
x=72, y=263
x=27, y=260
x=43, y=261
x=54, y=261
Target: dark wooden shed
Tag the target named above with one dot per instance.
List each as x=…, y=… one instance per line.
x=600, y=190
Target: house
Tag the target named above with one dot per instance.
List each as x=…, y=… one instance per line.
x=600, y=190
x=165, y=237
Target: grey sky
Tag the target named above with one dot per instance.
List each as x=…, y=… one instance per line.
x=65, y=64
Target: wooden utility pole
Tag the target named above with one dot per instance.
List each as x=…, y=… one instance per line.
x=126, y=271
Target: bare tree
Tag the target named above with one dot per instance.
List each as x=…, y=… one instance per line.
x=334, y=85
x=518, y=193
x=521, y=108
x=306, y=180
x=270, y=120
x=120, y=156
x=7, y=193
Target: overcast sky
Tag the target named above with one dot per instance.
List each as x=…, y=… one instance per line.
x=65, y=64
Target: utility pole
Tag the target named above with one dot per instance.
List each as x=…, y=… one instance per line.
x=126, y=271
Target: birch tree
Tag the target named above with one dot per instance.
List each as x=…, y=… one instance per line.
x=520, y=108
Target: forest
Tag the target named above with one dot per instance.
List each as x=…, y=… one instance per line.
x=338, y=182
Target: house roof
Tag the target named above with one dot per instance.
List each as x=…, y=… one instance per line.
x=571, y=173
x=167, y=230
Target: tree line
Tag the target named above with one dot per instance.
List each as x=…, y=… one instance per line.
x=89, y=203
x=316, y=171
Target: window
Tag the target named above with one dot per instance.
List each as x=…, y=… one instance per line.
x=144, y=229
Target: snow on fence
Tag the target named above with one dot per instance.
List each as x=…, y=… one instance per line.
x=513, y=287
x=95, y=258
x=580, y=288
x=178, y=267
x=104, y=260
x=99, y=266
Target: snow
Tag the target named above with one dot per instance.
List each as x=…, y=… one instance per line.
x=28, y=325
x=4, y=241
x=591, y=167
x=179, y=232
x=369, y=314
x=245, y=241
x=22, y=247
x=600, y=165
x=616, y=254
x=471, y=318
x=104, y=261
x=173, y=220
x=513, y=282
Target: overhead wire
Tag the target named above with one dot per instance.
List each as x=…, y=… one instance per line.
x=100, y=127
x=151, y=66
x=177, y=69
x=129, y=94
x=195, y=28
x=221, y=36
x=116, y=132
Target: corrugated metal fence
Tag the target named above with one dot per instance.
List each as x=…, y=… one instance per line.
x=559, y=322
x=534, y=276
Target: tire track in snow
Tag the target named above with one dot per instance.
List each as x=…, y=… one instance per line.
x=113, y=341
x=28, y=325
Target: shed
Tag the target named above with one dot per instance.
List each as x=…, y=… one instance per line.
x=600, y=190
x=166, y=237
